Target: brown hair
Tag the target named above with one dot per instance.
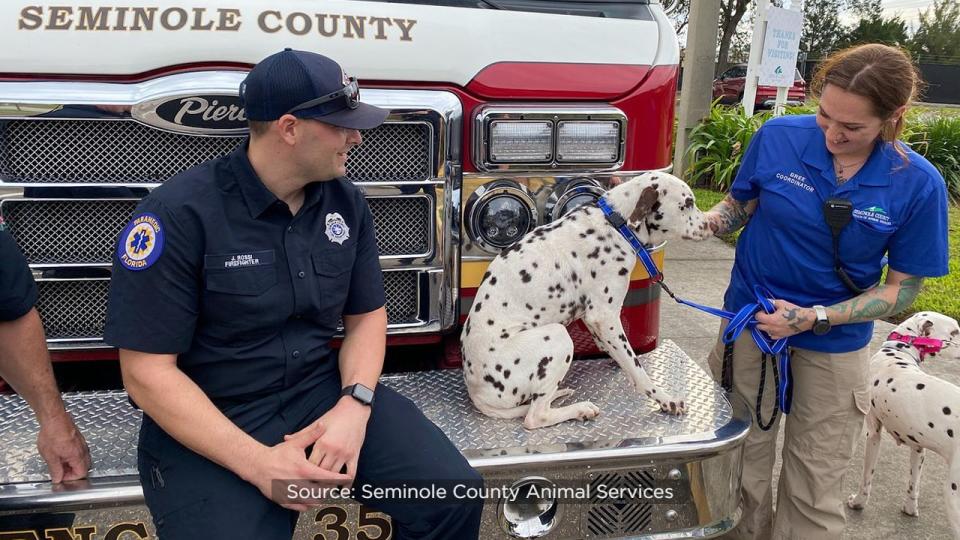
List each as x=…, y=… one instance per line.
x=883, y=74
x=258, y=128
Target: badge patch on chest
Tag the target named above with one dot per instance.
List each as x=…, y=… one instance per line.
x=337, y=229
x=141, y=242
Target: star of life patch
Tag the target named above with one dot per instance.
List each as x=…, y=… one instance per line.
x=141, y=242
x=337, y=229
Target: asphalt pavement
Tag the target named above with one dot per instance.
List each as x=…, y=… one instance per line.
x=700, y=271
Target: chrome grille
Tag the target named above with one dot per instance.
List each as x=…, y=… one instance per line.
x=77, y=309
x=67, y=232
x=84, y=231
x=402, y=224
x=101, y=151
x=401, y=292
x=73, y=309
x=610, y=517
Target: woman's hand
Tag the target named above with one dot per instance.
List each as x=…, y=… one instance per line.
x=788, y=320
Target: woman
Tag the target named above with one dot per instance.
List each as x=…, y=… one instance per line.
x=896, y=204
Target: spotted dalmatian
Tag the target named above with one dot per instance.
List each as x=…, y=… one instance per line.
x=516, y=349
x=917, y=409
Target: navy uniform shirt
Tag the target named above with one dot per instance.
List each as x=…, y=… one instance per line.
x=898, y=210
x=215, y=269
x=18, y=292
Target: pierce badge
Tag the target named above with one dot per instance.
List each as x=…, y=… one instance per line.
x=337, y=229
x=141, y=242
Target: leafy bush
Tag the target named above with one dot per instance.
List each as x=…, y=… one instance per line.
x=937, y=138
x=718, y=143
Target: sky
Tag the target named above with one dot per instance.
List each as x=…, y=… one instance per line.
x=907, y=9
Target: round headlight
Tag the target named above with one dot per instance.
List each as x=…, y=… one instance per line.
x=535, y=511
x=499, y=214
x=570, y=196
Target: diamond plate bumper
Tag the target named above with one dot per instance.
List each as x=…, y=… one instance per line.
x=630, y=441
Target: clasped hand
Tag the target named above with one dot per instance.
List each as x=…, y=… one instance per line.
x=787, y=320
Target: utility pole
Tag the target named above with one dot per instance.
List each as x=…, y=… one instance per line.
x=698, y=65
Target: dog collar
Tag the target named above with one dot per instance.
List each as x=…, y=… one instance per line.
x=925, y=345
x=620, y=224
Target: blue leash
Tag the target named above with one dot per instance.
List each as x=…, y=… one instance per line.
x=739, y=322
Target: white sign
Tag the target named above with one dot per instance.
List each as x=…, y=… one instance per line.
x=780, y=47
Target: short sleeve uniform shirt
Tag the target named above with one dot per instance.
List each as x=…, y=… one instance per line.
x=215, y=269
x=899, y=211
x=18, y=292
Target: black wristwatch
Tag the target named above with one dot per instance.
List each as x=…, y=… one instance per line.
x=359, y=392
x=822, y=324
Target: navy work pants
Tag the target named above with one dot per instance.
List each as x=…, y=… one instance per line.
x=191, y=497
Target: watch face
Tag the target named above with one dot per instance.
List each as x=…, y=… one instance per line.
x=821, y=327
x=363, y=393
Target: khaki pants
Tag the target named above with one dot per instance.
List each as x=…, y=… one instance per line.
x=830, y=401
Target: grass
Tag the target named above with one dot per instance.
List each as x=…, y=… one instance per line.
x=939, y=294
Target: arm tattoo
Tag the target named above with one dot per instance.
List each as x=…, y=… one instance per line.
x=874, y=304
x=796, y=319
x=909, y=289
x=732, y=215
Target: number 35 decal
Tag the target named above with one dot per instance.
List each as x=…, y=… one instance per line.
x=370, y=525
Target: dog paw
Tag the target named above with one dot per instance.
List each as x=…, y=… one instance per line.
x=856, y=501
x=587, y=410
x=674, y=406
x=910, y=508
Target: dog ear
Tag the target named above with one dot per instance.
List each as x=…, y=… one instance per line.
x=646, y=202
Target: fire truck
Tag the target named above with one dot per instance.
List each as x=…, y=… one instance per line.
x=504, y=115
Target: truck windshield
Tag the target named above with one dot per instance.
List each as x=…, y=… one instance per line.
x=624, y=9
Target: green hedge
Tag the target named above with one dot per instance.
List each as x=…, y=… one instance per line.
x=718, y=143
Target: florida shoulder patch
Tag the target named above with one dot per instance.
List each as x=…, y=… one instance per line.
x=141, y=242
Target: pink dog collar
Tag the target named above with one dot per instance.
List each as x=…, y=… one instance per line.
x=925, y=345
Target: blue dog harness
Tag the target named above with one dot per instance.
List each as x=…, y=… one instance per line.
x=740, y=321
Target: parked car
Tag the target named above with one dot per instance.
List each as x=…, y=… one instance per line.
x=729, y=88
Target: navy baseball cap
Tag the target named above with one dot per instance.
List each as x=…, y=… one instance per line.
x=306, y=85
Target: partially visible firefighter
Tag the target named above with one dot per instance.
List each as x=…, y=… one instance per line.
x=25, y=365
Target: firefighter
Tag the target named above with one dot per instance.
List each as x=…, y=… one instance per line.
x=25, y=364
x=230, y=282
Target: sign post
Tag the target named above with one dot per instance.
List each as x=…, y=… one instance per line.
x=781, y=45
x=773, y=53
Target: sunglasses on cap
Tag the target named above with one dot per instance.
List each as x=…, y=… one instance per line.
x=350, y=94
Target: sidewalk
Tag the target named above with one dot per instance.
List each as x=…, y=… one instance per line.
x=699, y=272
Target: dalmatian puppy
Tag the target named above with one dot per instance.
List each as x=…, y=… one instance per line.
x=917, y=409
x=516, y=349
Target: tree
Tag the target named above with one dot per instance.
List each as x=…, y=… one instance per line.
x=731, y=13
x=891, y=31
x=866, y=9
x=938, y=34
x=822, y=30
x=681, y=17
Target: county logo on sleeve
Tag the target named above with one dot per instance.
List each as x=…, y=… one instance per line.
x=141, y=242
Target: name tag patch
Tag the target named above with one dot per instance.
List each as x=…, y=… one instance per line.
x=239, y=260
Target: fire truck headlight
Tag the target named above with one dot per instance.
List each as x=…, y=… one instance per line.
x=500, y=213
x=588, y=141
x=534, y=512
x=571, y=195
x=520, y=141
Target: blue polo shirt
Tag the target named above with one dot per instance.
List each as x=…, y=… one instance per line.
x=899, y=211
x=18, y=292
x=215, y=269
